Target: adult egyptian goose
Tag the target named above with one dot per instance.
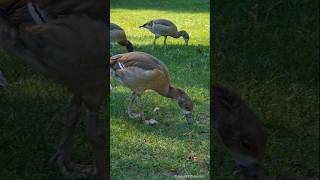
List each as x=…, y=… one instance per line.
x=239, y=130
x=164, y=27
x=57, y=38
x=118, y=35
x=139, y=72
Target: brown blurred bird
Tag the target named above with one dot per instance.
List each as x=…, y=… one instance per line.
x=239, y=130
x=140, y=72
x=118, y=35
x=164, y=27
x=65, y=41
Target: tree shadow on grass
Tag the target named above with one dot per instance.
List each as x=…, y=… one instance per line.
x=30, y=126
x=280, y=155
x=278, y=44
x=31, y=123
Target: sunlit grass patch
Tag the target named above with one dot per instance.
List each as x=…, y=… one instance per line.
x=173, y=147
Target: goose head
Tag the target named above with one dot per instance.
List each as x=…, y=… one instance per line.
x=185, y=103
x=249, y=159
x=185, y=36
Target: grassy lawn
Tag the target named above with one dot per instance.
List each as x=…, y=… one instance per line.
x=173, y=147
x=273, y=62
x=31, y=122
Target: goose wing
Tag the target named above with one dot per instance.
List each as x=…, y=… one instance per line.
x=115, y=27
x=141, y=71
x=164, y=27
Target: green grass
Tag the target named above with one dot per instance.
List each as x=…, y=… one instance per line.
x=31, y=123
x=273, y=63
x=162, y=151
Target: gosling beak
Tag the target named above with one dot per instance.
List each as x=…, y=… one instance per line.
x=188, y=116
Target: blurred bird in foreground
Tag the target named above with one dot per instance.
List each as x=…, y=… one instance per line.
x=66, y=42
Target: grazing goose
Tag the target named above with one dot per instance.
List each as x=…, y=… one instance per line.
x=239, y=130
x=139, y=72
x=164, y=27
x=3, y=82
x=118, y=35
x=60, y=45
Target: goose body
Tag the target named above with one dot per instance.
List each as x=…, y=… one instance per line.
x=118, y=35
x=143, y=72
x=239, y=130
x=60, y=47
x=164, y=27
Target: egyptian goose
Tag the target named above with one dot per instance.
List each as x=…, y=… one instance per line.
x=139, y=72
x=3, y=82
x=164, y=27
x=57, y=38
x=118, y=35
x=239, y=130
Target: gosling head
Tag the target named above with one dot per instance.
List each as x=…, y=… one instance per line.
x=185, y=36
x=250, y=153
x=240, y=131
x=185, y=104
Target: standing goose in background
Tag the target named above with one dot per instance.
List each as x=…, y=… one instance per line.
x=164, y=27
x=239, y=130
x=56, y=38
x=118, y=35
x=139, y=72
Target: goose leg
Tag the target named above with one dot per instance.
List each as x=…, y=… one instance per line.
x=140, y=106
x=98, y=139
x=131, y=114
x=62, y=157
x=165, y=42
x=154, y=41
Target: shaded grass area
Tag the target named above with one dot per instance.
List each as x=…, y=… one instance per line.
x=31, y=123
x=268, y=52
x=173, y=147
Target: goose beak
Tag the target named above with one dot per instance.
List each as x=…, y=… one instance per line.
x=188, y=116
